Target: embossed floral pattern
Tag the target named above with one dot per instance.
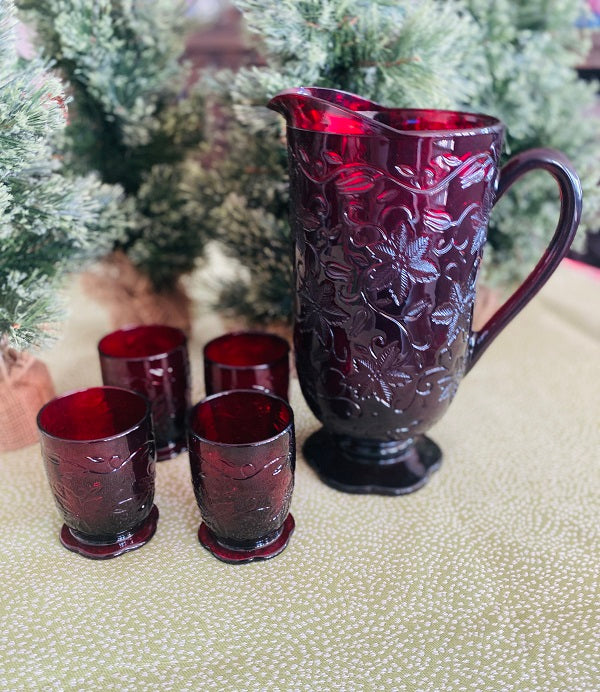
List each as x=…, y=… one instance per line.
x=386, y=254
x=320, y=312
x=104, y=494
x=480, y=234
x=481, y=169
x=450, y=313
x=401, y=262
x=380, y=375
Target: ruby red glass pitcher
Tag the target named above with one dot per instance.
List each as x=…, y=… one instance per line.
x=389, y=213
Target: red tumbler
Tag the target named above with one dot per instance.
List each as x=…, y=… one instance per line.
x=99, y=452
x=247, y=360
x=153, y=360
x=242, y=458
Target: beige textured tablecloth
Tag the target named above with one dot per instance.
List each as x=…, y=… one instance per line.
x=486, y=579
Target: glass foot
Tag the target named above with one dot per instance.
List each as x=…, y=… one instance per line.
x=265, y=552
x=171, y=450
x=389, y=475
x=103, y=551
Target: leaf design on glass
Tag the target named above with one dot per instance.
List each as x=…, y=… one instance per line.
x=104, y=464
x=480, y=227
x=333, y=157
x=310, y=221
x=378, y=378
x=354, y=182
x=405, y=171
x=387, y=195
x=417, y=310
x=318, y=168
x=303, y=154
x=110, y=464
x=363, y=320
x=448, y=386
x=314, y=213
x=448, y=314
x=402, y=262
x=436, y=220
x=337, y=272
x=81, y=488
x=321, y=312
x=358, y=259
x=475, y=172
x=449, y=161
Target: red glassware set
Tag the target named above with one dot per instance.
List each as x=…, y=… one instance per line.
x=389, y=216
x=100, y=444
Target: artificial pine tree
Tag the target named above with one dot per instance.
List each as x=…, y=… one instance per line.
x=511, y=58
x=136, y=120
x=531, y=49
x=49, y=225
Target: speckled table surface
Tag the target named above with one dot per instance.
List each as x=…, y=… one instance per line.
x=485, y=579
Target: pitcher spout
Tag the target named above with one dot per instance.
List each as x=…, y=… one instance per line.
x=319, y=110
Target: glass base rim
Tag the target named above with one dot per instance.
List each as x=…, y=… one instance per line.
x=105, y=551
x=242, y=556
x=336, y=469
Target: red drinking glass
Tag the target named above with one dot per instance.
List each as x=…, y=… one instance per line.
x=389, y=214
x=247, y=360
x=242, y=458
x=152, y=360
x=99, y=453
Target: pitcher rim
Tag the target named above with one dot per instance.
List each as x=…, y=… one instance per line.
x=491, y=125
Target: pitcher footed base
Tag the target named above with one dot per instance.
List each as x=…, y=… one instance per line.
x=357, y=468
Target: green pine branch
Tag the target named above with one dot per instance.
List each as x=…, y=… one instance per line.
x=49, y=223
x=134, y=119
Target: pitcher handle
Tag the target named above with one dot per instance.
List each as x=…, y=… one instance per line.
x=562, y=171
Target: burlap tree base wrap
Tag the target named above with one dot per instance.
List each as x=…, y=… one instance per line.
x=130, y=299
x=25, y=386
